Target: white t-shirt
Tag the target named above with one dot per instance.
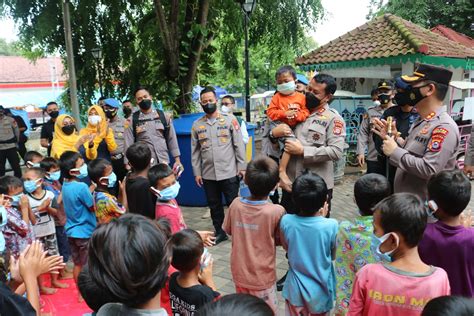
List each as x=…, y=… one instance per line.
x=44, y=222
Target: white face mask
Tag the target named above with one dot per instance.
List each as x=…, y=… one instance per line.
x=94, y=119
x=225, y=109
x=376, y=103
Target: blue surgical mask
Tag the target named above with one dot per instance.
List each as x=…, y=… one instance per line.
x=112, y=179
x=167, y=194
x=377, y=241
x=286, y=88
x=31, y=185
x=82, y=171
x=54, y=176
x=3, y=222
x=16, y=199
x=30, y=164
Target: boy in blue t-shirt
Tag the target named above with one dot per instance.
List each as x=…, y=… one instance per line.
x=310, y=240
x=79, y=207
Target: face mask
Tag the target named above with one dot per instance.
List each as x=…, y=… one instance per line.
x=145, y=104
x=376, y=103
x=286, y=88
x=127, y=111
x=94, y=119
x=53, y=176
x=68, y=129
x=16, y=199
x=209, y=108
x=31, y=185
x=167, y=194
x=225, y=109
x=384, y=98
x=112, y=179
x=29, y=164
x=82, y=171
x=54, y=114
x=379, y=241
x=410, y=96
x=312, y=101
x=110, y=114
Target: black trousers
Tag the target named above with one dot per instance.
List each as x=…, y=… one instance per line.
x=12, y=156
x=287, y=202
x=119, y=168
x=214, y=191
x=375, y=167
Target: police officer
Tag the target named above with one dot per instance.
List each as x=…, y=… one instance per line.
x=469, y=158
x=153, y=127
x=9, y=134
x=365, y=136
x=218, y=158
x=432, y=143
x=118, y=125
x=319, y=140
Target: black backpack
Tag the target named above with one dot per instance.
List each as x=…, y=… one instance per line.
x=161, y=117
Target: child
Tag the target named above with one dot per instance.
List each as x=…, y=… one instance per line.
x=447, y=243
x=254, y=225
x=354, y=239
x=107, y=206
x=18, y=232
x=449, y=306
x=32, y=159
x=310, y=240
x=43, y=205
x=130, y=271
x=405, y=285
x=237, y=304
x=137, y=187
x=79, y=207
x=289, y=107
x=192, y=286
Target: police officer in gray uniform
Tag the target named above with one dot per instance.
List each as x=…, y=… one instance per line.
x=154, y=128
x=432, y=143
x=9, y=135
x=319, y=140
x=217, y=157
x=365, y=136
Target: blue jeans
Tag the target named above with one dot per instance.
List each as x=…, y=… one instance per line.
x=63, y=243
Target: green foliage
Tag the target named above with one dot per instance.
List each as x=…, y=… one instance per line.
x=166, y=45
x=8, y=49
x=456, y=14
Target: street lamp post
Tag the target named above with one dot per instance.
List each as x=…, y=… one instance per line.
x=97, y=54
x=247, y=8
x=267, y=67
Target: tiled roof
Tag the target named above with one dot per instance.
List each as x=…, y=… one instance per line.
x=385, y=36
x=453, y=35
x=14, y=69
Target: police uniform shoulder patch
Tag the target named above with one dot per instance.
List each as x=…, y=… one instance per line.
x=437, y=138
x=236, y=125
x=338, y=126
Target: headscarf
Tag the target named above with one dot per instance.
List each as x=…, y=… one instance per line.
x=62, y=142
x=91, y=129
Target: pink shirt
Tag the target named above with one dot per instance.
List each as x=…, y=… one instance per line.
x=384, y=290
x=172, y=213
x=254, y=226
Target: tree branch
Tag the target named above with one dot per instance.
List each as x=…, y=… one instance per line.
x=171, y=53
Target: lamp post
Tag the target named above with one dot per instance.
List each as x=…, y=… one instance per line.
x=247, y=8
x=97, y=54
x=267, y=67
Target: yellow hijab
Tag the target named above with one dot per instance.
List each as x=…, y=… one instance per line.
x=62, y=142
x=102, y=126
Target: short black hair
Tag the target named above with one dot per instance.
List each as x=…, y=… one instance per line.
x=449, y=306
x=138, y=89
x=235, y=305
x=441, y=90
x=165, y=226
x=48, y=163
x=139, y=156
x=159, y=172
x=125, y=101
x=187, y=248
x=142, y=256
x=331, y=85
x=405, y=214
x=38, y=170
x=451, y=190
x=261, y=176
x=51, y=103
x=370, y=189
x=68, y=161
x=285, y=69
x=206, y=90
x=30, y=155
x=374, y=91
x=101, y=98
x=309, y=193
x=96, y=168
x=228, y=96
x=94, y=295
x=9, y=182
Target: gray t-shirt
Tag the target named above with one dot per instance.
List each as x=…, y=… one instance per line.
x=118, y=309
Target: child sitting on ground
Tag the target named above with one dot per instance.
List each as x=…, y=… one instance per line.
x=354, y=239
x=107, y=206
x=405, y=285
x=289, y=107
x=447, y=243
x=310, y=240
x=79, y=207
x=254, y=225
x=43, y=205
x=33, y=159
x=193, y=286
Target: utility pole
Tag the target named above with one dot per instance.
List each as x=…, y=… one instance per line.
x=247, y=69
x=70, y=63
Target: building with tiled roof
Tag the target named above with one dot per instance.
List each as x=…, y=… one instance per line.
x=453, y=35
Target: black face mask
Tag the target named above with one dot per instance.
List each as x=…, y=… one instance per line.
x=410, y=96
x=145, y=104
x=209, y=108
x=54, y=114
x=384, y=98
x=68, y=129
x=127, y=111
x=312, y=101
x=110, y=114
